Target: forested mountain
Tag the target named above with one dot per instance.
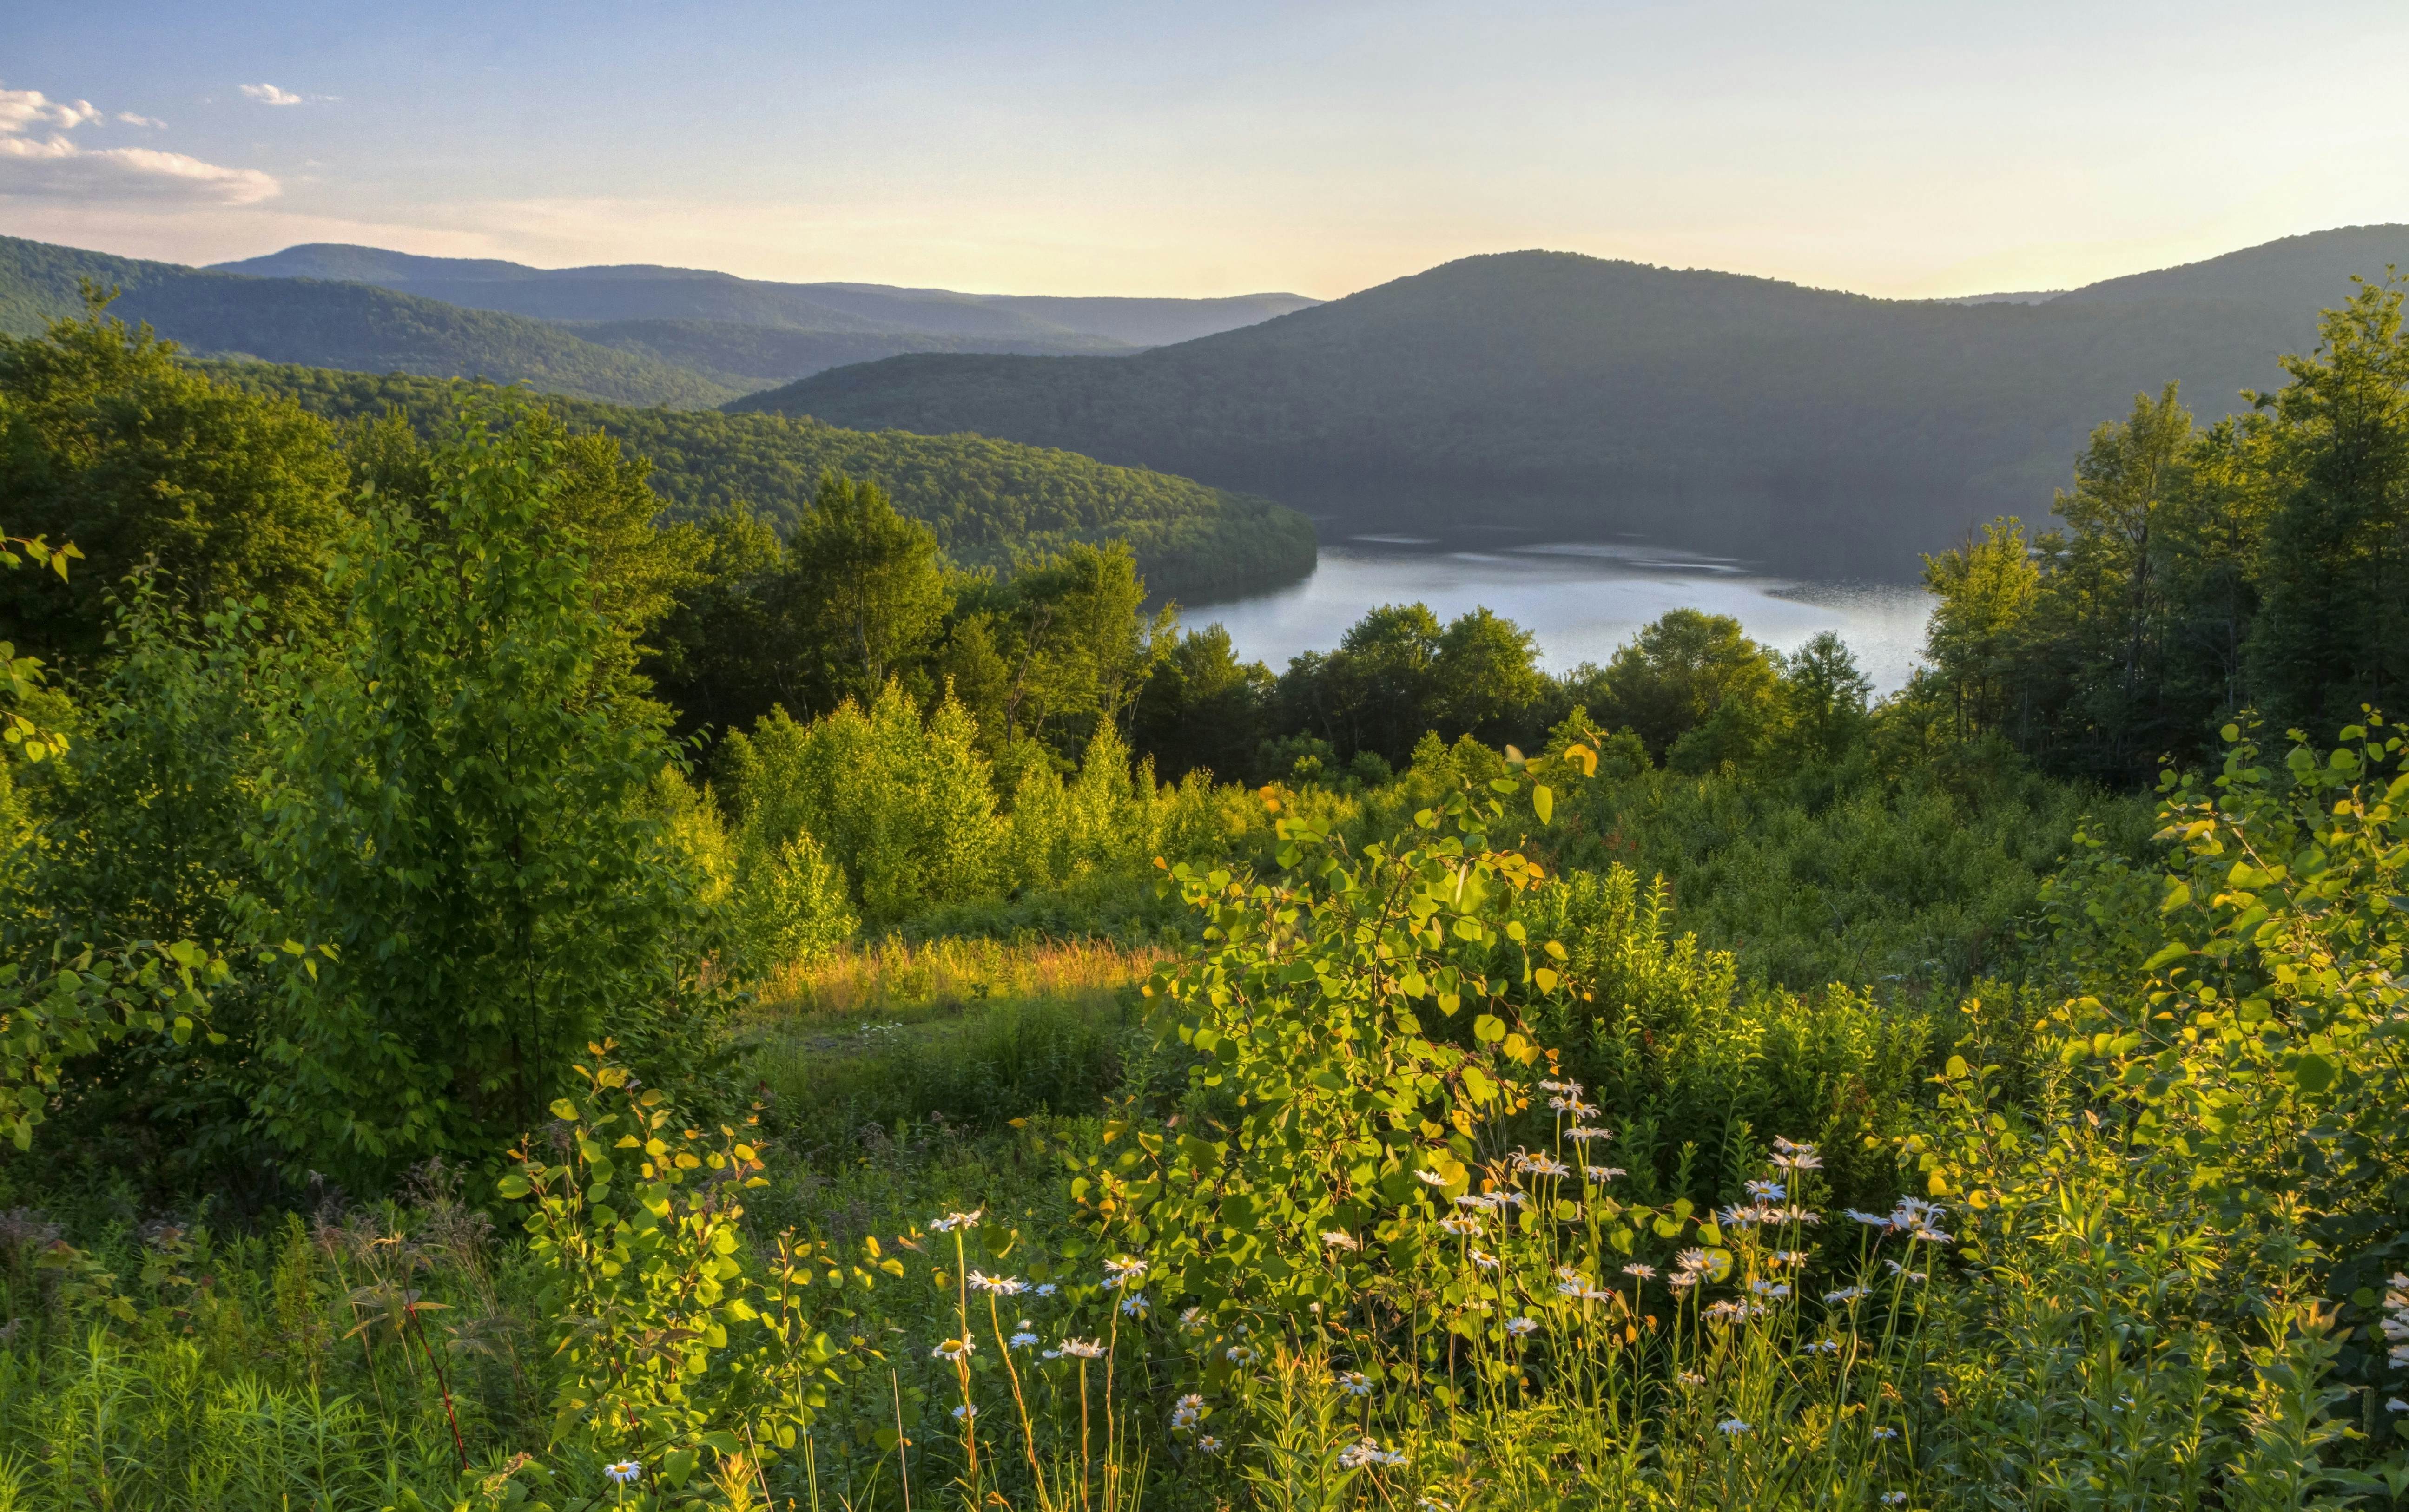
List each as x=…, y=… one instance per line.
x=1819, y=430
x=990, y=502
x=747, y=357
x=331, y=324
x=647, y=292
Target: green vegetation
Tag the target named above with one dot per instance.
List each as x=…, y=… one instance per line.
x=2254, y=565
x=1686, y=1083
x=1564, y=392
x=344, y=325
x=991, y=503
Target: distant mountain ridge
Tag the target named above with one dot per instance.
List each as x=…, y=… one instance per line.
x=649, y=292
x=354, y=327
x=1821, y=432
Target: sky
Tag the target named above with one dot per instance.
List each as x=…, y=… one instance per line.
x=1201, y=148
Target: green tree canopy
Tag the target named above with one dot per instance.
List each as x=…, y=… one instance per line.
x=107, y=440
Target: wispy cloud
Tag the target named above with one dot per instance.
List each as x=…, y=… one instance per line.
x=39, y=160
x=269, y=94
x=129, y=118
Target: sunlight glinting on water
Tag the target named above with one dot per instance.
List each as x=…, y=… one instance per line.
x=1581, y=599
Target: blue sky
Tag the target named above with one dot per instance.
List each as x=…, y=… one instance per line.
x=1200, y=148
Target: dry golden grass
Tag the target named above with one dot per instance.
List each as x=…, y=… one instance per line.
x=895, y=979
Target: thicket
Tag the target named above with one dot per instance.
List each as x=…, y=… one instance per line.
x=2197, y=573
x=431, y=1088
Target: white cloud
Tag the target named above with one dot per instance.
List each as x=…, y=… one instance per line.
x=130, y=119
x=270, y=95
x=24, y=108
x=39, y=160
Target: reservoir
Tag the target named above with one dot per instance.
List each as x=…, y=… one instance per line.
x=1581, y=598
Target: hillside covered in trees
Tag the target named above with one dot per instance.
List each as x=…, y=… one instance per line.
x=1817, y=430
x=990, y=503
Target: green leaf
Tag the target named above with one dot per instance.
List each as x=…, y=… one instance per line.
x=1543, y=803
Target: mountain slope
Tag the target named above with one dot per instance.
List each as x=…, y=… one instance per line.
x=1824, y=432
x=748, y=358
x=332, y=325
x=991, y=503
x=647, y=292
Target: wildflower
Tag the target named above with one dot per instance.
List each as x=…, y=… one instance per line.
x=1568, y=1089
x=622, y=1472
x=1684, y=1280
x=1354, y=1383
x=1795, y=1156
x=952, y=1221
x=1044, y=1289
x=1462, y=1227
x=1847, y=1294
x=956, y=1350
x=1193, y=1320
x=1886, y=1433
x=1694, y=1258
x=1509, y=1200
x=1023, y=1339
x=1572, y=1105
x=1893, y=1498
x=1788, y=1257
x=1571, y=1283
x=1239, y=1354
x=1480, y=1201
x=1874, y=1220
x=965, y=1413
x=1336, y=1239
x=1519, y=1327
x=1188, y=1412
x=1691, y=1377
x=1002, y=1285
x=1771, y=1288
x=1739, y=1218
x=1604, y=1173
x=1733, y=1428
x=1792, y=1214
x=1583, y=1135
x=1135, y=1304
x=1208, y=1444
x=1932, y=1236
x=1896, y=1269
x=1484, y=1260
x=1768, y=1191
x=1541, y=1165
x=1431, y=1178
x=2396, y=1404
x=1644, y=1273
x=1367, y=1451
x=1120, y=1273
x=1822, y=1347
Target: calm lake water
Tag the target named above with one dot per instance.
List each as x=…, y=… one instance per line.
x=1583, y=599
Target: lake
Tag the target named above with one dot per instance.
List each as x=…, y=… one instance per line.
x=1581, y=598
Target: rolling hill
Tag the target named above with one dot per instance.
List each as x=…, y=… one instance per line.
x=1818, y=431
x=333, y=325
x=913, y=319
x=991, y=503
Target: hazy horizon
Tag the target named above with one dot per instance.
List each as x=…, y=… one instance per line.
x=1081, y=149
